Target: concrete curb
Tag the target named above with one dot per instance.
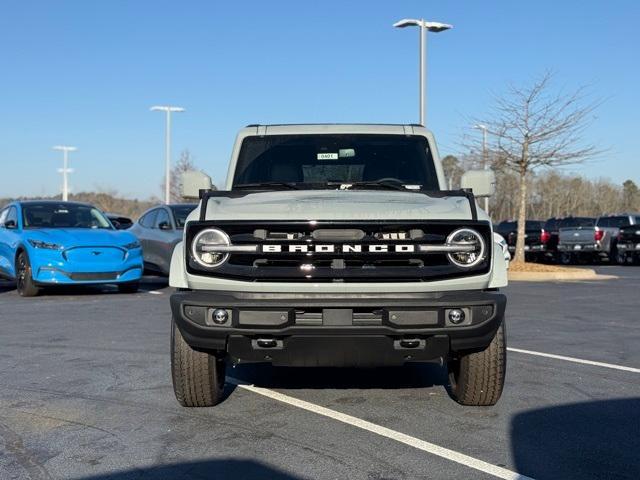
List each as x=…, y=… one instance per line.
x=583, y=274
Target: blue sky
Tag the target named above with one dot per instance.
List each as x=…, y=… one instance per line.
x=86, y=72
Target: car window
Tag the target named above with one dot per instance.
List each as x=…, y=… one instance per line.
x=148, y=220
x=3, y=214
x=63, y=215
x=181, y=212
x=573, y=222
x=551, y=224
x=533, y=225
x=162, y=217
x=338, y=158
x=618, y=222
x=507, y=225
x=12, y=214
x=603, y=222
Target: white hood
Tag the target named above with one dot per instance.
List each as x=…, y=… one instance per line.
x=339, y=205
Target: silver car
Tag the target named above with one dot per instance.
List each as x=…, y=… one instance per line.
x=159, y=229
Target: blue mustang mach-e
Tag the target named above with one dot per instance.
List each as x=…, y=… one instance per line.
x=63, y=243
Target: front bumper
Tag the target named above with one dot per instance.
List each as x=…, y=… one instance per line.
x=629, y=247
x=50, y=268
x=337, y=329
x=580, y=247
x=530, y=248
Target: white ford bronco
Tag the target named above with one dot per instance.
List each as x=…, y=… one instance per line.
x=338, y=245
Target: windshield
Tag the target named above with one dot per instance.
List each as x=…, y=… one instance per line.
x=533, y=225
x=615, y=222
x=577, y=222
x=181, y=212
x=63, y=215
x=322, y=159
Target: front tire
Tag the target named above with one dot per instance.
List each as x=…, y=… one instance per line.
x=198, y=377
x=478, y=378
x=24, y=277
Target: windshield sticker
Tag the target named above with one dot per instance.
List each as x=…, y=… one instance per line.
x=327, y=156
x=346, y=153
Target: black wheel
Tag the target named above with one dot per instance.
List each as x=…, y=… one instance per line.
x=130, y=287
x=478, y=378
x=566, y=258
x=24, y=278
x=198, y=377
x=618, y=257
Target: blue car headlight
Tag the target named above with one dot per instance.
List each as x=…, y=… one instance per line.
x=45, y=245
x=132, y=245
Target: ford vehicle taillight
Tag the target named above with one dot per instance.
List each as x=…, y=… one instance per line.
x=545, y=236
x=598, y=235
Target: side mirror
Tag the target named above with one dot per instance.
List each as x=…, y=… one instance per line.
x=194, y=181
x=10, y=224
x=481, y=182
x=164, y=226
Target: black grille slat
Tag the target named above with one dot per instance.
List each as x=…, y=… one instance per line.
x=362, y=266
x=94, y=276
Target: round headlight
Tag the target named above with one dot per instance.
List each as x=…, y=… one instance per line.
x=472, y=247
x=203, y=247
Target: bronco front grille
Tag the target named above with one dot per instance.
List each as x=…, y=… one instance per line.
x=338, y=251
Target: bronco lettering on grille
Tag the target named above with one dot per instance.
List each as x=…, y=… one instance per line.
x=344, y=248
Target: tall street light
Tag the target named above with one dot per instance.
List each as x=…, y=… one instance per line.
x=65, y=149
x=167, y=177
x=424, y=27
x=485, y=163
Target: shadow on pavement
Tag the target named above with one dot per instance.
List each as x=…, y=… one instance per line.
x=579, y=441
x=147, y=284
x=7, y=286
x=410, y=376
x=225, y=469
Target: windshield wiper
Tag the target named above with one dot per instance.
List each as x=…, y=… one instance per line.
x=261, y=185
x=379, y=184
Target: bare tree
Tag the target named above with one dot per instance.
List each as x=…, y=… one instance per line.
x=452, y=171
x=530, y=128
x=184, y=164
x=630, y=196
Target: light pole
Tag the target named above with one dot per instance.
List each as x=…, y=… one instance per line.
x=65, y=149
x=485, y=165
x=167, y=176
x=424, y=27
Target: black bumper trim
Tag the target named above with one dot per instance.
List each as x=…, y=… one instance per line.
x=229, y=337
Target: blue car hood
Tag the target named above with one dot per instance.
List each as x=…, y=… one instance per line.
x=81, y=237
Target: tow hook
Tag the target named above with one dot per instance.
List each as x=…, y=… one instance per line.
x=266, y=343
x=410, y=343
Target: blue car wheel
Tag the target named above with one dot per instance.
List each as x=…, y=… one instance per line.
x=24, y=277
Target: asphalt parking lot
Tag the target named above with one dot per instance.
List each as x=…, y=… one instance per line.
x=86, y=394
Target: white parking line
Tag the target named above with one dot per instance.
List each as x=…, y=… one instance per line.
x=576, y=360
x=428, y=447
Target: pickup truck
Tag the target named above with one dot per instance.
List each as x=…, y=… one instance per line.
x=535, y=238
x=340, y=246
x=629, y=244
x=594, y=243
x=553, y=226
